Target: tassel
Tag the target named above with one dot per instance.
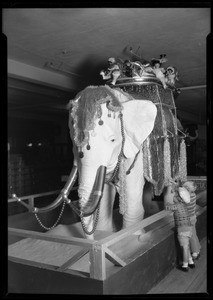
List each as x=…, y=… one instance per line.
x=147, y=164
x=167, y=161
x=80, y=154
x=122, y=190
x=183, y=161
x=100, y=122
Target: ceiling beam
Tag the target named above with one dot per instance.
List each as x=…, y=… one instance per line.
x=15, y=85
x=40, y=76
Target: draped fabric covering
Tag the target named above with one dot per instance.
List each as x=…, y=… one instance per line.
x=85, y=108
x=164, y=151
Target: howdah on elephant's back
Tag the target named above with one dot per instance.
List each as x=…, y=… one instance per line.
x=164, y=149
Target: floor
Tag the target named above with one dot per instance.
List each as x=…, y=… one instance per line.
x=194, y=281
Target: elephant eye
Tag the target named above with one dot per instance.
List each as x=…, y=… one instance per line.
x=112, y=140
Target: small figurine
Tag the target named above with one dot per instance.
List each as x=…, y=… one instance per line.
x=128, y=68
x=171, y=75
x=159, y=71
x=113, y=71
x=176, y=199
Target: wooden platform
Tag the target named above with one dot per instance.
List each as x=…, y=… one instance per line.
x=61, y=262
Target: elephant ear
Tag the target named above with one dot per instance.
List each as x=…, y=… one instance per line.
x=139, y=118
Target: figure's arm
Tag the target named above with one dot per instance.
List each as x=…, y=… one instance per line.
x=171, y=207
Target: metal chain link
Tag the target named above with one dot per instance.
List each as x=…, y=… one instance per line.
x=95, y=222
x=121, y=153
x=53, y=226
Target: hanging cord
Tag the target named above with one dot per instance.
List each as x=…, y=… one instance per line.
x=133, y=164
x=56, y=222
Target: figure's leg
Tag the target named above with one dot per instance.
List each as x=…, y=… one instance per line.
x=195, y=244
x=134, y=189
x=105, y=221
x=190, y=261
x=115, y=76
x=184, y=244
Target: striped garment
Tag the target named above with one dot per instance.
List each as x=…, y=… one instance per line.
x=191, y=207
x=181, y=214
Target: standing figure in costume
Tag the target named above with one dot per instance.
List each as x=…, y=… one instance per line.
x=159, y=71
x=191, y=206
x=176, y=199
x=112, y=72
x=171, y=75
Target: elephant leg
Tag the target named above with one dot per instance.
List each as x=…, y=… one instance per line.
x=134, y=189
x=105, y=221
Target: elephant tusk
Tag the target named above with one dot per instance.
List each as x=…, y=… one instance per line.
x=70, y=181
x=61, y=197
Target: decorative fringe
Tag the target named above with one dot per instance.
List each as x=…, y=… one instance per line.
x=122, y=190
x=147, y=166
x=167, y=161
x=86, y=107
x=183, y=162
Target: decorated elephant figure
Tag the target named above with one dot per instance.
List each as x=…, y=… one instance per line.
x=122, y=137
x=108, y=128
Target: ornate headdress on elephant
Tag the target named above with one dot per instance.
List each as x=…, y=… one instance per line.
x=86, y=107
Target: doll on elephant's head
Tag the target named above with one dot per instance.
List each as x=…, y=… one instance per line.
x=177, y=198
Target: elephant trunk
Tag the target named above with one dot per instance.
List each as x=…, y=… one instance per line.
x=97, y=193
x=89, y=201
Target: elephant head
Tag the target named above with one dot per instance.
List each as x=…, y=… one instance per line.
x=105, y=125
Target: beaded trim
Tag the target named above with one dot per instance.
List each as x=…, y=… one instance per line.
x=183, y=161
x=86, y=108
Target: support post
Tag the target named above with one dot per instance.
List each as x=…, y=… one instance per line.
x=31, y=201
x=97, y=262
